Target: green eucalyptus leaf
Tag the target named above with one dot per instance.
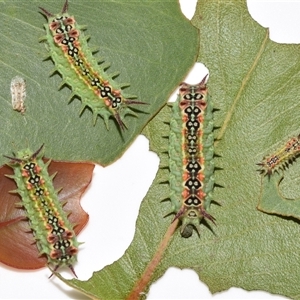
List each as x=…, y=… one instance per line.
x=145, y=41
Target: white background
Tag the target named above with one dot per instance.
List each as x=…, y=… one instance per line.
x=106, y=241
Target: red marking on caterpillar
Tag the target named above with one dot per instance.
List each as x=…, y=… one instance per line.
x=73, y=59
x=191, y=156
x=282, y=157
x=52, y=230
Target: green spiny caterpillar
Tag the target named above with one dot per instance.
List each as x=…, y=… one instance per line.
x=191, y=151
x=282, y=157
x=52, y=230
x=74, y=61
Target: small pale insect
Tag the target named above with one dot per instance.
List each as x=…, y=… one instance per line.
x=18, y=93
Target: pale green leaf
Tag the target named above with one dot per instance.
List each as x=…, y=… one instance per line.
x=273, y=201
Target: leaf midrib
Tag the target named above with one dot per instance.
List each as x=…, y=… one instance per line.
x=242, y=87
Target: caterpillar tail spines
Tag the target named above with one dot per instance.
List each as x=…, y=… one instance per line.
x=193, y=213
x=72, y=270
x=13, y=160
x=49, y=15
x=46, y=12
x=64, y=10
x=120, y=122
x=206, y=215
x=178, y=214
x=36, y=153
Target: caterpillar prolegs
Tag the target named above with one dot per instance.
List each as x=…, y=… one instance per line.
x=75, y=62
x=191, y=151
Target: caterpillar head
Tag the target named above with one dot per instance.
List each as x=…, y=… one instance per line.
x=25, y=155
x=190, y=218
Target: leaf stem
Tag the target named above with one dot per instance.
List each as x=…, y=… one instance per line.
x=146, y=276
